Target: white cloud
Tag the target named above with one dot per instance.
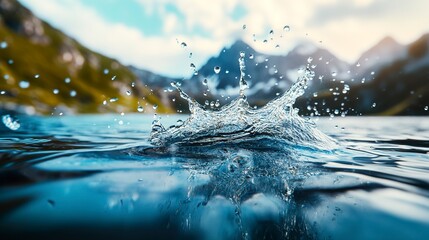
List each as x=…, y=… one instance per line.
x=345, y=34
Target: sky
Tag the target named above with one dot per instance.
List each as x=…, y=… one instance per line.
x=148, y=33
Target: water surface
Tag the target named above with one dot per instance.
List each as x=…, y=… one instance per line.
x=88, y=177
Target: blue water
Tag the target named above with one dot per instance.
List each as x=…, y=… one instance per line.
x=88, y=177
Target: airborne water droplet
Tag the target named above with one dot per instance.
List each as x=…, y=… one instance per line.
x=216, y=69
x=128, y=92
x=183, y=44
x=3, y=45
x=286, y=28
x=56, y=91
x=251, y=56
x=205, y=81
x=113, y=78
x=67, y=80
x=244, y=26
x=309, y=60
x=426, y=108
x=140, y=109
x=36, y=76
x=271, y=32
x=24, y=84
x=106, y=71
x=114, y=99
x=155, y=106
x=9, y=122
x=73, y=93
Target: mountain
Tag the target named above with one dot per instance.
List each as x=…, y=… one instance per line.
x=400, y=87
x=266, y=74
x=43, y=71
x=388, y=79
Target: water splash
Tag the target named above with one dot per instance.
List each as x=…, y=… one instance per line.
x=11, y=123
x=238, y=122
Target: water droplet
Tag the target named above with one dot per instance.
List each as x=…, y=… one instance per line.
x=217, y=104
x=192, y=66
x=179, y=123
x=10, y=61
x=242, y=54
x=251, y=56
x=309, y=60
x=113, y=99
x=426, y=108
x=104, y=102
x=140, y=109
x=24, y=84
x=374, y=105
x=113, y=78
x=6, y=77
x=265, y=41
x=271, y=32
x=2, y=92
x=205, y=81
x=121, y=122
x=308, y=107
x=3, y=45
x=67, y=80
x=315, y=94
x=155, y=106
x=56, y=91
x=216, y=69
x=286, y=28
x=207, y=102
x=73, y=93
x=122, y=113
x=372, y=73
x=133, y=84
x=106, y=71
x=36, y=76
x=334, y=74
x=358, y=65
x=11, y=123
x=183, y=44
x=128, y=92
x=244, y=26
x=277, y=46
x=336, y=111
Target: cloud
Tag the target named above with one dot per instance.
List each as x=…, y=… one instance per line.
x=129, y=45
x=347, y=28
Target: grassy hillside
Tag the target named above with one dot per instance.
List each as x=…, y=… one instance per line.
x=32, y=51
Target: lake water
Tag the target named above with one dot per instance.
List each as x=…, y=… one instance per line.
x=89, y=177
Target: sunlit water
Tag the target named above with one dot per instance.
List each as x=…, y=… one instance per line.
x=88, y=177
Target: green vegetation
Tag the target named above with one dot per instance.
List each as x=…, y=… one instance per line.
x=45, y=57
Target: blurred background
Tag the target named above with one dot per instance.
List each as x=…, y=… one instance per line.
x=61, y=57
